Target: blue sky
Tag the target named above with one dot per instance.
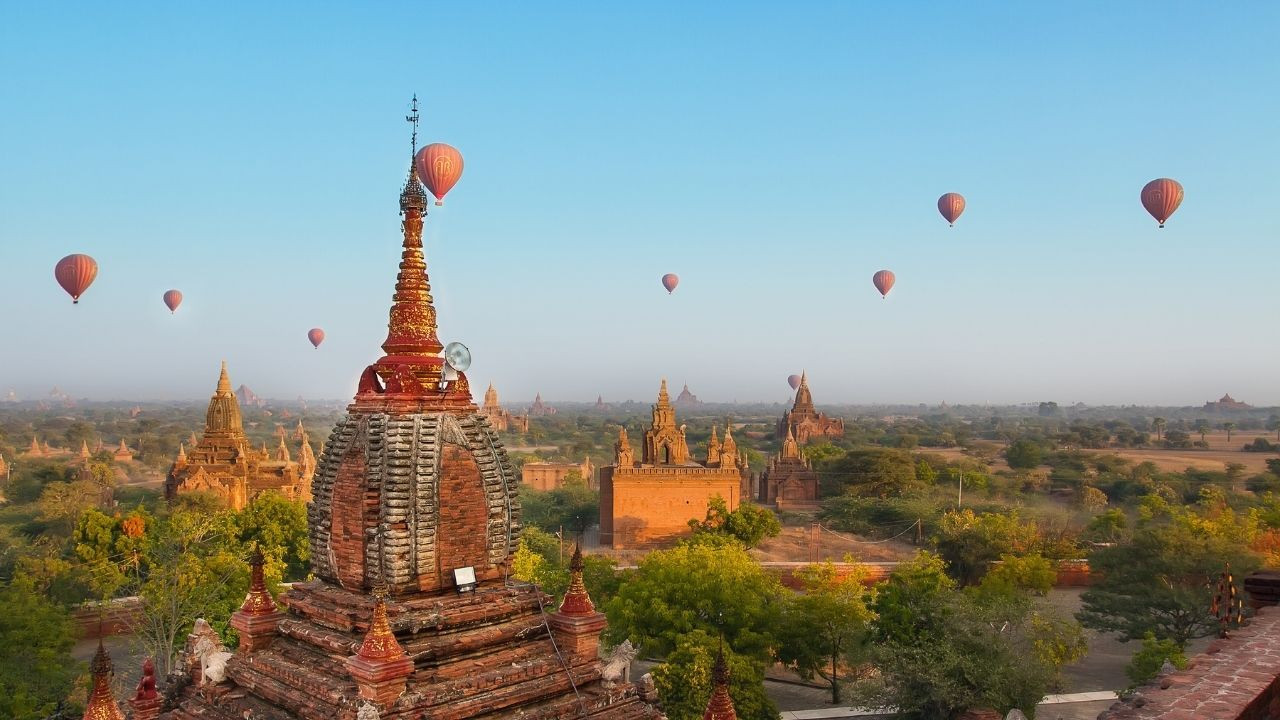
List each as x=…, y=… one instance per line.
x=775, y=155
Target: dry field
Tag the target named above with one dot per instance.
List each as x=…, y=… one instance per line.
x=1216, y=457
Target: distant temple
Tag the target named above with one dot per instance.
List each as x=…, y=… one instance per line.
x=654, y=500
x=248, y=398
x=539, y=409
x=789, y=481
x=412, y=612
x=551, y=475
x=803, y=421
x=600, y=404
x=224, y=464
x=687, y=398
x=499, y=417
x=121, y=453
x=1226, y=402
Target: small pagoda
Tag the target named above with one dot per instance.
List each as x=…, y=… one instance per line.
x=414, y=522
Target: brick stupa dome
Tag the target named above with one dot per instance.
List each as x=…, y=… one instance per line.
x=413, y=484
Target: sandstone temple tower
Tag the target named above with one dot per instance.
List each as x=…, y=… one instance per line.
x=413, y=525
x=651, y=501
x=224, y=464
x=804, y=422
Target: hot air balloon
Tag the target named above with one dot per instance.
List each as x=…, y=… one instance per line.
x=670, y=281
x=883, y=280
x=75, y=273
x=793, y=381
x=951, y=205
x=439, y=167
x=172, y=299
x=316, y=336
x=1161, y=197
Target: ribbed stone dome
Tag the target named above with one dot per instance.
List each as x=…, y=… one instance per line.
x=404, y=499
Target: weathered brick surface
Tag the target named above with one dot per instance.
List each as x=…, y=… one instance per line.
x=1235, y=679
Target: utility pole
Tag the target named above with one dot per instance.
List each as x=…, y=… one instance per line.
x=960, y=493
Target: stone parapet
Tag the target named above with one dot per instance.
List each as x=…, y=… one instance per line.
x=1236, y=678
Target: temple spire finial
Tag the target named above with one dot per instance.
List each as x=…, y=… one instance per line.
x=413, y=118
x=102, y=702
x=576, y=600
x=224, y=381
x=720, y=706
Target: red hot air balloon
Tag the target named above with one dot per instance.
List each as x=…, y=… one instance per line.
x=951, y=205
x=172, y=299
x=316, y=336
x=793, y=381
x=883, y=281
x=439, y=167
x=670, y=281
x=75, y=273
x=1161, y=197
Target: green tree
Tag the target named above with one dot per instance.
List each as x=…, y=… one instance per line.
x=1203, y=427
x=1158, y=425
x=1024, y=454
x=62, y=503
x=1021, y=573
x=1228, y=426
x=969, y=542
x=827, y=625
x=573, y=506
x=278, y=526
x=719, y=589
x=1152, y=656
x=872, y=473
x=971, y=652
x=749, y=524
x=1273, y=424
x=37, y=671
x=1162, y=580
x=910, y=602
x=1093, y=499
x=683, y=680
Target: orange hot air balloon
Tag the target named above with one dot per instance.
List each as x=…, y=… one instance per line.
x=793, y=381
x=883, y=281
x=439, y=167
x=951, y=205
x=75, y=273
x=1161, y=197
x=316, y=336
x=172, y=299
x=670, y=281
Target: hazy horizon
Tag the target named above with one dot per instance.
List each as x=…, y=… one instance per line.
x=251, y=157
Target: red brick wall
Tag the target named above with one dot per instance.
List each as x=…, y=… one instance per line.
x=347, y=537
x=464, y=515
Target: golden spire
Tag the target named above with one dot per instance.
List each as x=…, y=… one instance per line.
x=713, y=447
x=412, y=326
x=84, y=449
x=282, y=451
x=576, y=599
x=182, y=452
x=102, y=703
x=789, y=447
x=720, y=706
x=258, y=601
x=664, y=400
x=380, y=643
x=224, y=381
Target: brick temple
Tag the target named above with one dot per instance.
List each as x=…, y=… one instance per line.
x=500, y=418
x=414, y=522
x=646, y=503
x=789, y=481
x=804, y=422
x=225, y=465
